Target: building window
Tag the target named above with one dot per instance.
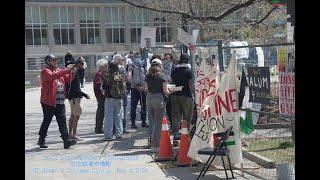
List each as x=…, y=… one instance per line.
x=36, y=26
x=138, y=18
x=164, y=29
x=90, y=25
x=115, y=25
x=63, y=25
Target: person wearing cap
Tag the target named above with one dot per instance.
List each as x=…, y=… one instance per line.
x=68, y=59
x=181, y=101
x=52, y=98
x=156, y=82
x=74, y=95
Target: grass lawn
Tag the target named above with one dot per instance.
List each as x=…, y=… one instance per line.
x=280, y=150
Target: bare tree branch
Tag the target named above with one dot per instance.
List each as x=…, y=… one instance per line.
x=190, y=6
x=199, y=18
x=265, y=17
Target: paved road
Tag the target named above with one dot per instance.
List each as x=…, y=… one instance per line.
x=93, y=158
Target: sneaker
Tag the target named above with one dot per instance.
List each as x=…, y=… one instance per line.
x=144, y=124
x=126, y=131
x=99, y=131
x=119, y=138
x=68, y=143
x=107, y=139
x=133, y=126
x=42, y=144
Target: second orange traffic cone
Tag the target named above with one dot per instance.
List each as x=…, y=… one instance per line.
x=165, y=149
x=183, y=158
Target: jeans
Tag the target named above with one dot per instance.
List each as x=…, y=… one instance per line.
x=100, y=113
x=135, y=98
x=156, y=111
x=60, y=112
x=112, y=121
x=182, y=107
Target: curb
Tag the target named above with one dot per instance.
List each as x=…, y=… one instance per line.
x=31, y=89
x=260, y=160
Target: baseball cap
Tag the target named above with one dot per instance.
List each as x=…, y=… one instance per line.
x=156, y=62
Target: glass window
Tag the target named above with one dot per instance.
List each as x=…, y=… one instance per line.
x=28, y=18
x=115, y=23
x=138, y=18
x=29, y=37
x=35, y=14
x=83, y=35
x=90, y=25
x=36, y=25
x=63, y=22
x=164, y=29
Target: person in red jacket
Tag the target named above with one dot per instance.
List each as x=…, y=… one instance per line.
x=52, y=99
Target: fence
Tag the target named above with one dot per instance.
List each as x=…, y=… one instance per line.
x=270, y=148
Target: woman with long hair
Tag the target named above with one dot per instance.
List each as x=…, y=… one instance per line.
x=157, y=86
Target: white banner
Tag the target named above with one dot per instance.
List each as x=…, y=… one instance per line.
x=148, y=37
x=185, y=38
x=220, y=111
x=240, y=52
x=206, y=75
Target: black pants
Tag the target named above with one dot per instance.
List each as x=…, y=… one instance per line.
x=100, y=113
x=60, y=112
x=135, y=98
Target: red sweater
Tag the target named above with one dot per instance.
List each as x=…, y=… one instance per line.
x=49, y=86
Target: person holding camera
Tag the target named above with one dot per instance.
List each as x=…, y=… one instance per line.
x=53, y=92
x=74, y=95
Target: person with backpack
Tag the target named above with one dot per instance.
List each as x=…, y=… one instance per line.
x=52, y=98
x=74, y=95
x=113, y=89
x=118, y=59
x=136, y=77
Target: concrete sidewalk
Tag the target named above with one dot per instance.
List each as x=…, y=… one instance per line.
x=93, y=158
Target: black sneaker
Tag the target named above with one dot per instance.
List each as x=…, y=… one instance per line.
x=68, y=143
x=144, y=124
x=133, y=126
x=99, y=131
x=42, y=143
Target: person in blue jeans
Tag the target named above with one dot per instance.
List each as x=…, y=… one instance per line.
x=114, y=89
x=136, y=77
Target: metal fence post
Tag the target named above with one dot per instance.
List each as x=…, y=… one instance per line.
x=220, y=56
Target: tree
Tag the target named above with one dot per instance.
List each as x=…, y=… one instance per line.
x=210, y=14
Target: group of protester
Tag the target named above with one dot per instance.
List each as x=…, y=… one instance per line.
x=115, y=79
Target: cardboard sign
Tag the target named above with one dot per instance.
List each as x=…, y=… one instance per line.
x=148, y=37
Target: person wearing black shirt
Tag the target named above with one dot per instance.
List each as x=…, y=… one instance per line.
x=181, y=101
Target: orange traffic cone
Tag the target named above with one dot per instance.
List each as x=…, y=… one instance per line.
x=165, y=149
x=183, y=158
